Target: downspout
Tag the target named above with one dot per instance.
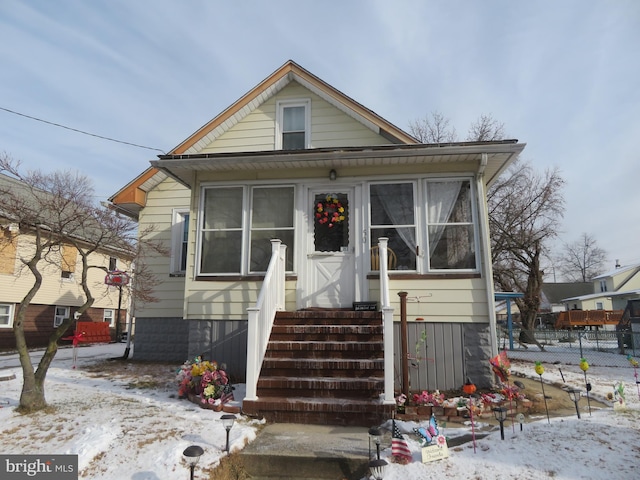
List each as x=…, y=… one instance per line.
x=486, y=252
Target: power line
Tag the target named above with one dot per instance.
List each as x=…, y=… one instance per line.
x=80, y=131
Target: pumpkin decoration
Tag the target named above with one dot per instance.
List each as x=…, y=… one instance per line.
x=584, y=365
x=539, y=368
x=469, y=388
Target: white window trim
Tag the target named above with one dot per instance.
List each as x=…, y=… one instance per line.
x=474, y=223
x=177, y=222
x=280, y=106
x=111, y=319
x=57, y=319
x=246, y=227
x=10, y=313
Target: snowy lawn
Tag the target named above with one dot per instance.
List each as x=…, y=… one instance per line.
x=131, y=425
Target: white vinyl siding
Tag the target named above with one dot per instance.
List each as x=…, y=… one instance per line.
x=330, y=127
x=6, y=315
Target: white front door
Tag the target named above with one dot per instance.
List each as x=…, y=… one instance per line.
x=330, y=277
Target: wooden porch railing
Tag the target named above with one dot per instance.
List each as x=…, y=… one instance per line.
x=261, y=316
x=387, y=321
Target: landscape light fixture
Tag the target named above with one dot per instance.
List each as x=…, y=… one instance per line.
x=192, y=454
x=501, y=415
x=227, y=423
x=375, y=436
x=574, y=395
x=378, y=468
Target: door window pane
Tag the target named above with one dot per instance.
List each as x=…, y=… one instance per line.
x=331, y=222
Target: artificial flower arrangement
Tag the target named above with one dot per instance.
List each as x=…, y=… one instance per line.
x=330, y=212
x=203, y=381
x=435, y=399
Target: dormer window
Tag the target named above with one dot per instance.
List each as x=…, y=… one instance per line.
x=293, y=120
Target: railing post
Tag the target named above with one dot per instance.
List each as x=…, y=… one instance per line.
x=384, y=271
x=252, y=354
x=387, y=320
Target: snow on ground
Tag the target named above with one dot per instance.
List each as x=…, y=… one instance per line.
x=121, y=431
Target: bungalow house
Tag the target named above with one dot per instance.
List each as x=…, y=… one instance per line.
x=293, y=213
x=61, y=294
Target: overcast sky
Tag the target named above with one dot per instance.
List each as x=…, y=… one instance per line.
x=563, y=76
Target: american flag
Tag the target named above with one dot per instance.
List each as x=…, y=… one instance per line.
x=227, y=394
x=399, y=446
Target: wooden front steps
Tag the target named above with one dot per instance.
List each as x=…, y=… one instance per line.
x=323, y=367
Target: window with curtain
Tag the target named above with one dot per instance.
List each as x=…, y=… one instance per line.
x=450, y=225
x=238, y=224
x=392, y=213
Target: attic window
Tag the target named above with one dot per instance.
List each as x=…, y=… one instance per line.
x=292, y=129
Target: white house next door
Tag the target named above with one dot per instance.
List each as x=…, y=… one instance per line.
x=331, y=254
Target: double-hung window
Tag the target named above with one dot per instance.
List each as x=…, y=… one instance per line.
x=238, y=224
x=450, y=225
x=60, y=315
x=392, y=211
x=293, y=124
x=6, y=315
x=108, y=316
x=179, y=240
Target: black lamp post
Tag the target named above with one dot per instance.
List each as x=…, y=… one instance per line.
x=375, y=435
x=574, y=394
x=501, y=415
x=227, y=423
x=192, y=455
x=378, y=468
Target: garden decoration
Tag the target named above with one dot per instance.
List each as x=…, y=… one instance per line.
x=540, y=371
x=469, y=388
x=76, y=338
x=584, y=366
x=427, y=434
x=618, y=396
x=400, y=450
x=502, y=368
x=203, y=382
x=634, y=364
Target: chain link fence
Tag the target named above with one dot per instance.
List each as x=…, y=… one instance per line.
x=603, y=348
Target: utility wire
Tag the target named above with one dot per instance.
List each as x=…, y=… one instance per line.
x=79, y=131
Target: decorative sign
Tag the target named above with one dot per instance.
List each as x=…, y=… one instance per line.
x=434, y=452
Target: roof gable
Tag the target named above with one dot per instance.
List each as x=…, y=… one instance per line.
x=265, y=90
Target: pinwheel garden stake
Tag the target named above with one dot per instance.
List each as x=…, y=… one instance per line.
x=584, y=366
x=469, y=388
x=540, y=371
x=634, y=364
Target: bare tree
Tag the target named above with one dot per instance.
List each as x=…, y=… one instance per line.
x=485, y=129
x=582, y=259
x=434, y=129
x=525, y=208
x=53, y=211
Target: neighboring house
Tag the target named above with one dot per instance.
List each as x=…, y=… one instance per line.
x=553, y=294
x=609, y=291
x=269, y=167
x=60, y=294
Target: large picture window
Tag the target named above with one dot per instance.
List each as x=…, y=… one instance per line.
x=392, y=211
x=238, y=224
x=450, y=225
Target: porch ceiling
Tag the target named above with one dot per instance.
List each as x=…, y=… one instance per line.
x=498, y=155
